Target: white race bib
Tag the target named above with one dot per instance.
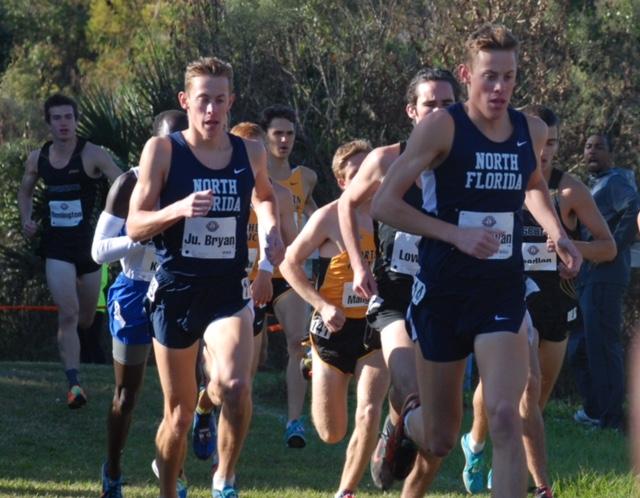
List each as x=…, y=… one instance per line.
x=209, y=238
x=537, y=257
x=65, y=213
x=404, y=258
x=502, y=222
x=318, y=327
x=350, y=299
x=251, y=260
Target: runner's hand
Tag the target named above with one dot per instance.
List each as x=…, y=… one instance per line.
x=570, y=257
x=364, y=285
x=197, y=204
x=480, y=243
x=262, y=288
x=274, y=250
x=332, y=317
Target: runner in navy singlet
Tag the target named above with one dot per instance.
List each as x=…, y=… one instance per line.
x=552, y=305
x=71, y=168
x=194, y=191
x=429, y=90
x=476, y=162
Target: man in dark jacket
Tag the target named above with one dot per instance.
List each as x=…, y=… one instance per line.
x=601, y=288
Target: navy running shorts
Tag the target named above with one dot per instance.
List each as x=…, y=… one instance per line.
x=181, y=308
x=445, y=324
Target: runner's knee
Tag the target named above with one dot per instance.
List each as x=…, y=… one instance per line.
x=368, y=414
x=179, y=418
x=504, y=419
x=235, y=391
x=441, y=441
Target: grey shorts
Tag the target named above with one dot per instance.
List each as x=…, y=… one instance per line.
x=130, y=354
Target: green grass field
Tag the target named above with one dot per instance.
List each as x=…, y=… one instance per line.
x=48, y=450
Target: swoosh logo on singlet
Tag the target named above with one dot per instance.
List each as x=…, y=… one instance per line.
x=520, y=144
x=238, y=171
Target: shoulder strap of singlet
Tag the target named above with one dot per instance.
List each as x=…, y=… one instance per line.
x=555, y=178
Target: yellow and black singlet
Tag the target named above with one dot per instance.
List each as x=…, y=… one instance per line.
x=337, y=284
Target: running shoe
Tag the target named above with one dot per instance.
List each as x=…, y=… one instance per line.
x=582, y=418
x=111, y=488
x=181, y=483
x=345, y=494
x=543, y=492
x=490, y=479
x=76, y=397
x=226, y=492
x=400, y=452
x=294, y=434
x=380, y=468
x=472, y=474
x=204, y=435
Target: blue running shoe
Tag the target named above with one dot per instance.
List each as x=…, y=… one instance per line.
x=490, y=479
x=111, y=488
x=226, y=492
x=204, y=435
x=472, y=472
x=294, y=435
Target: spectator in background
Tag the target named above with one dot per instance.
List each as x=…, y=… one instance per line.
x=601, y=288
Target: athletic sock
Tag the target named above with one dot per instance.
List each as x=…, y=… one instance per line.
x=72, y=377
x=474, y=446
x=220, y=482
x=202, y=411
x=407, y=432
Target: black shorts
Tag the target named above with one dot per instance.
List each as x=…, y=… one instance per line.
x=445, y=324
x=552, y=316
x=181, y=308
x=344, y=348
x=72, y=250
x=259, y=317
x=395, y=296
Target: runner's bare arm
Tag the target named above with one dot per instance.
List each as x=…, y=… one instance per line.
x=145, y=221
x=264, y=204
x=314, y=234
x=603, y=246
x=25, y=194
x=103, y=163
x=539, y=204
x=360, y=190
x=310, y=180
x=428, y=146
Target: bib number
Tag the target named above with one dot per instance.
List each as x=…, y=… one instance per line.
x=317, y=327
x=404, y=258
x=538, y=258
x=502, y=222
x=209, y=238
x=65, y=213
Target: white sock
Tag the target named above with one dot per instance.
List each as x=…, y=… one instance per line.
x=474, y=446
x=220, y=482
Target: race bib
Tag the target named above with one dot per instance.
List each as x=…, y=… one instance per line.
x=151, y=291
x=317, y=327
x=538, y=258
x=502, y=222
x=252, y=256
x=404, y=258
x=417, y=291
x=209, y=238
x=149, y=261
x=350, y=299
x=65, y=213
